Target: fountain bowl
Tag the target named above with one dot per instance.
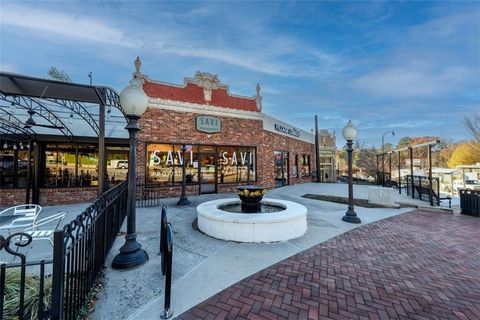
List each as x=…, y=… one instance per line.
x=251, y=197
x=282, y=225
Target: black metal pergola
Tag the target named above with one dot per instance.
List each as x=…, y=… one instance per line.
x=35, y=109
x=381, y=175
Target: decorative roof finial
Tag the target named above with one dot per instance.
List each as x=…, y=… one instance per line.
x=258, y=98
x=138, y=65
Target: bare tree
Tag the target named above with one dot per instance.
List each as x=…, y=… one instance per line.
x=60, y=75
x=472, y=123
x=365, y=159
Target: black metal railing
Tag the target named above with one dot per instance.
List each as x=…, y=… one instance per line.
x=166, y=252
x=80, y=250
x=149, y=195
x=58, y=288
x=384, y=179
x=420, y=187
x=470, y=202
x=17, y=300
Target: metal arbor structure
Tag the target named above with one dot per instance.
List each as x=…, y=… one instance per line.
x=35, y=109
x=410, y=184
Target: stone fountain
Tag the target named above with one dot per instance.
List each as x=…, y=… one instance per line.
x=252, y=218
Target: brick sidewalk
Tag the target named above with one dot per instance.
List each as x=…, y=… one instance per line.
x=418, y=265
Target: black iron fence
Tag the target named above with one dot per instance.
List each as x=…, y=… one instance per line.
x=470, y=202
x=420, y=187
x=23, y=295
x=384, y=179
x=149, y=195
x=80, y=250
x=59, y=288
x=166, y=253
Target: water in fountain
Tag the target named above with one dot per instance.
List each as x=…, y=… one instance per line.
x=237, y=208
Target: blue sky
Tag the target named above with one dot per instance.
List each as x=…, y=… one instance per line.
x=408, y=66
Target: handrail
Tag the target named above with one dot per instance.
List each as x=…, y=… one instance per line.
x=166, y=252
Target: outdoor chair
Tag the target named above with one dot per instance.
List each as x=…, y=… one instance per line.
x=46, y=234
x=27, y=213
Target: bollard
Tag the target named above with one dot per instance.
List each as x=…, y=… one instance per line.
x=163, y=231
x=168, y=258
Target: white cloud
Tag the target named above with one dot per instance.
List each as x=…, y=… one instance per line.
x=69, y=26
x=409, y=81
x=257, y=50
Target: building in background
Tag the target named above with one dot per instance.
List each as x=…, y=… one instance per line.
x=327, y=149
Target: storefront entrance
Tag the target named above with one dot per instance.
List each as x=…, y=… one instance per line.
x=281, y=168
x=208, y=169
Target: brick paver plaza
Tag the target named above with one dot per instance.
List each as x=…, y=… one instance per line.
x=418, y=265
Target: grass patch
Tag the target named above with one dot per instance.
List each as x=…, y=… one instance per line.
x=32, y=288
x=343, y=200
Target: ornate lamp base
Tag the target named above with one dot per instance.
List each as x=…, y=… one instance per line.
x=131, y=255
x=351, y=216
x=183, y=202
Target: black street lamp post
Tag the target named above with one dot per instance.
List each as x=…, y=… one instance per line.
x=183, y=199
x=134, y=103
x=383, y=155
x=350, y=133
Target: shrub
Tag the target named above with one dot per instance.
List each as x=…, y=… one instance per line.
x=32, y=288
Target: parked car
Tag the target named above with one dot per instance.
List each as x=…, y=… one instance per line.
x=469, y=184
x=122, y=164
x=472, y=184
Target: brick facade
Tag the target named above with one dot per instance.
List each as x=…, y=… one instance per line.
x=171, y=119
x=49, y=196
x=56, y=196
x=12, y=197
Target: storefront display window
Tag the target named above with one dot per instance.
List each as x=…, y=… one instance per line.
x=305, y=165
x=77, y=166
x=7, y=165
x=117, y=164
x=234, y=163
x=22, y=169
x=59, y=167
x=87, y=168
x=227, y=164
x=295, y=167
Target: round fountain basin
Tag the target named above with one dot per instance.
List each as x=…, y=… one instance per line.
x=282, y=225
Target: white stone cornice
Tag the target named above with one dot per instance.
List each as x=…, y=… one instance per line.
x=181, y=106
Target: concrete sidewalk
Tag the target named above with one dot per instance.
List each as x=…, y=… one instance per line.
x=203, y=265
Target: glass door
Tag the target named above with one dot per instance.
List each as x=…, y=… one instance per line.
x=281, y=168
x=208, y=168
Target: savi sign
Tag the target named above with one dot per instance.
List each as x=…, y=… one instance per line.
x=208, y=124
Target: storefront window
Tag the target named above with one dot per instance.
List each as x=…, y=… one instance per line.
x=191, y=164
x=87, y=168
x=7, y=164
x=59, y=167
x=295, y=167
x=228, y=164
x=117, y=164
x=234, y=163
x=22, y=169
x=305, y=165
x=160, y=163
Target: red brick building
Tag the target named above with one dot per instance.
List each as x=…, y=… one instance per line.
x=229, y=140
